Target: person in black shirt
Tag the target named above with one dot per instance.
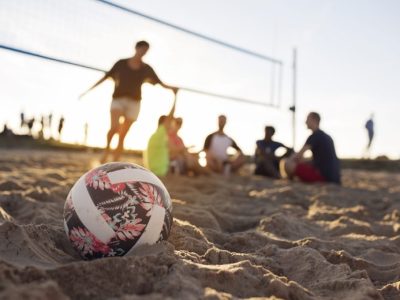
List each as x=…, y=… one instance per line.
x=325, y=166
x=267, y=163
x=128, y=75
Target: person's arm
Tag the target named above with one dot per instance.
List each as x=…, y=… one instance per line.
x=154, y=79
x=298, y=156
x=174, y=89
x=172, y=112
x=207, y=142
x=105, y=77
x=236, y=147
x=93, y=86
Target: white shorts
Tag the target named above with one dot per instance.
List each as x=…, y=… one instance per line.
x=127, y=107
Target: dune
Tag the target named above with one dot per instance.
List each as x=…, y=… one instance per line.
x=242, y=237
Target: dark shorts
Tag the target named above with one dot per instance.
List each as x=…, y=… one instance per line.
x=308, y=173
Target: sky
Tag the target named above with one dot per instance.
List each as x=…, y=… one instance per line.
x=348, y=67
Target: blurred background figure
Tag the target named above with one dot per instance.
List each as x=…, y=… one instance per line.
x=129, y=75
x=216, y=146
x=42, y=127
x=267, y=162
x=85, y=133
x=6, y=131
x=30, y=123
x=49, y=125
x=60, y=127
x=181, y=160
x=369, y=126
x=156, y=156
x=23, y=121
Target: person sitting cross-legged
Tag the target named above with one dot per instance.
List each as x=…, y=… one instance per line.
x=216, y=146
x=267, y=163
x=325, y=166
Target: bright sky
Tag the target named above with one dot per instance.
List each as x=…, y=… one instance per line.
x=348, y=50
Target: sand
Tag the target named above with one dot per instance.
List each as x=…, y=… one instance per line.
x=246, y=237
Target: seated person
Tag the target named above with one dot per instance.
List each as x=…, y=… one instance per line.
x=216, y=146
x=156, y=156
x=325, y=166
x=267, y=163
x=182, y=161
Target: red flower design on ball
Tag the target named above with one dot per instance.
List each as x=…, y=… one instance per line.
x=86, y=242
x=98, y=179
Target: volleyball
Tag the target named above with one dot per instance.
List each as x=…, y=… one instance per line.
x=115, y=208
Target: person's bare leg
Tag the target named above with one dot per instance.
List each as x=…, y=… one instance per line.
x=114, y=117
x=288, y=167
x=123, y=130
x=214, y=165
x=238, y=162
x=270, y=169
x=194, y=166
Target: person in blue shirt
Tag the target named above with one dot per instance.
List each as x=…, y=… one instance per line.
x=369, y=125
x=325, y=165
x=267, y=163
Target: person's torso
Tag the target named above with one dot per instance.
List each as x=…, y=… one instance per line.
x=219, y=145
x=157, y=155
x=324, y=156
x=268, y=147
x=128, y=81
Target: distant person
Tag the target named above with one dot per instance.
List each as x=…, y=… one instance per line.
x=156, y=156
x=23, y=120
x=267, y=163
x=30, y=124
x=325, y=166
x=181, y=160
x=128, y=75
x=42, y=128
x=60, y=127
x=216, y=146
x=85, y=133
x=7, y=132
x=49, y=124
x=369, y=126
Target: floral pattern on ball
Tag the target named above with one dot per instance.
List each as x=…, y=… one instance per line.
x=125, y=207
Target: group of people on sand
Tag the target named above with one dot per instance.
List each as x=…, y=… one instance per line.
x=324, y=166
x=167, y=152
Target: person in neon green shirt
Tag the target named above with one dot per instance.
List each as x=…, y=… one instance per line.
x=156, y=156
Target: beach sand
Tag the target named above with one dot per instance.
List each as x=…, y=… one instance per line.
x=246, y=237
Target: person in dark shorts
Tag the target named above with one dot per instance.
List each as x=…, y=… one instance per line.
x=267, y=163
x=128, y=75
x=325, y=166
x=216, y=146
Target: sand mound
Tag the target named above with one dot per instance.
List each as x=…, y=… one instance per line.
x=247, y=237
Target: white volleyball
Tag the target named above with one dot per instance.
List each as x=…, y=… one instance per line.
x=115, y=208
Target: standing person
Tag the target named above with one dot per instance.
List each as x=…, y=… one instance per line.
x=128, y=75
x=325, y=166
x=30, y=124
x=369, y=125
x=216, y=146
x=60, y=127
x=85, y=133
x=23, y=120
x=267, y=163
x=49, y=125
x=42, y=127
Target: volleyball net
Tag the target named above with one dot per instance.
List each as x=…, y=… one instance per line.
x=85, y=34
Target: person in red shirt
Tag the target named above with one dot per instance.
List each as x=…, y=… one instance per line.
x=181, y=160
